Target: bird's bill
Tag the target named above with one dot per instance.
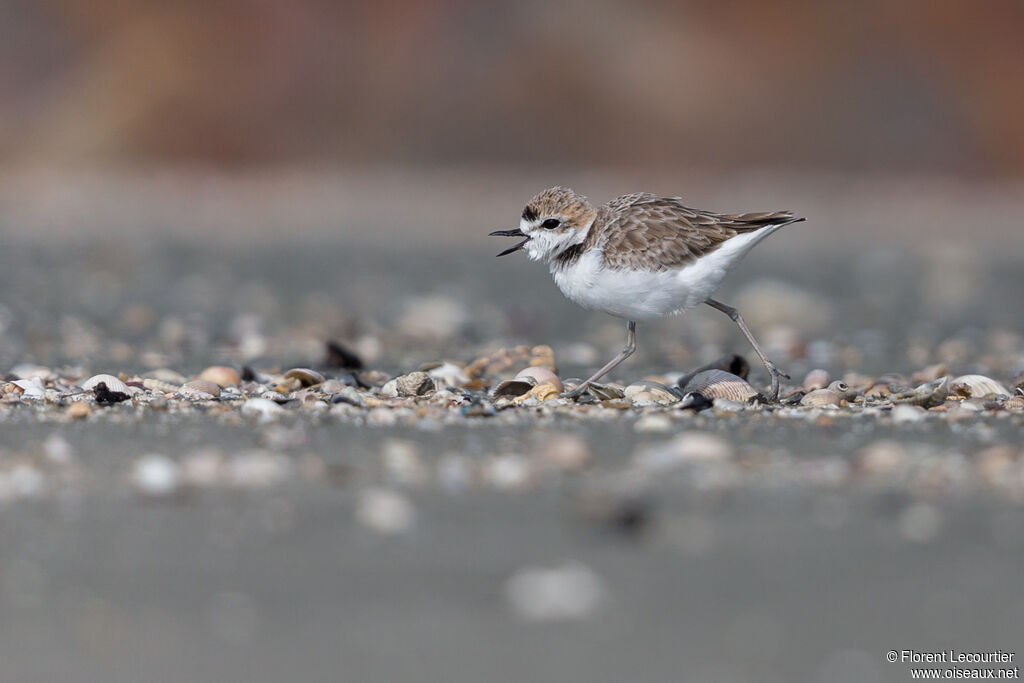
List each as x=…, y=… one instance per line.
x=511, y=233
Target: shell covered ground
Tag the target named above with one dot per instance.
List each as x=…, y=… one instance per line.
x=193, y=486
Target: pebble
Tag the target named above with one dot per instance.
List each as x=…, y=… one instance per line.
x=568, y=592
x=411, y=385
x=653, y=423
x=385, y=511
x=907, y=414
x=565, y=451
x=78, y=410
x=263, y=408
x=156, y=476
x=221, y=375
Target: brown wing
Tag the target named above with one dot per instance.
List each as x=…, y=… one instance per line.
x=648, y=232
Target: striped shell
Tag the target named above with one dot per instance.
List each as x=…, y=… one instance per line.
x=113, y=384
x=199, y=388
x=821, y=398
x=978, y=386
x=721, y=384
x=153, y=384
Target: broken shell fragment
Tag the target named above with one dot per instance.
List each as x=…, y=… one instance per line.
x=644, y=393
x=512, y=388
x=200, y=388
x=605, y=392
x=540, y=375
x=927, y=395
x=305, y=376
x=720, y=384
x=977, y=386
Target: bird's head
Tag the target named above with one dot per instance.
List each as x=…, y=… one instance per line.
x=552, y=221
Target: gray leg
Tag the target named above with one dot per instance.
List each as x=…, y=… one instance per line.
x=626, y=352
x=736, y=318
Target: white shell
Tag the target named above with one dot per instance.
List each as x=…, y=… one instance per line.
x=978, y=386
x=113, y=384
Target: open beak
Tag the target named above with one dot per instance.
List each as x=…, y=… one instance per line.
x=512, y=233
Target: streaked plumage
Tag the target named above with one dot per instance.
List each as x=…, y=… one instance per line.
x=640, y=256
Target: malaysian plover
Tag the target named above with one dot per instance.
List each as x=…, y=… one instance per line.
x=641, y=257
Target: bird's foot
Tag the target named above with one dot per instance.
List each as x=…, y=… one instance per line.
x=577, y=392
x=775, y=373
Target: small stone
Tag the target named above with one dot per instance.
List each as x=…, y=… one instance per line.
x=414, y=384
x=653, y=423
x=78, y=410
x=263, y=408
x=385, y=511
x=564, y=451
x=156, y=476
x=570, y=592
x=906, y=414
x=257, y=469
x=26, y=481
x=402, y=462
x=221, y=375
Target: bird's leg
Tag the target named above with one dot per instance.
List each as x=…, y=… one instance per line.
x=738, y=319
x=626, y=352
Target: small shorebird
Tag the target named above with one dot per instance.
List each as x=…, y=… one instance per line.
x=641, y=257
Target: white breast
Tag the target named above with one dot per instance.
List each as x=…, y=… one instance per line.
x=645, y=295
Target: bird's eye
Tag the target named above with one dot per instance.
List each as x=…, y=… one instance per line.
x=551, y=223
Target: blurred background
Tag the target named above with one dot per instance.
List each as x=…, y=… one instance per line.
x=913, y=86
x=199, y=182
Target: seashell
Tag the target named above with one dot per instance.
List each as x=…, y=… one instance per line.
x=113, y=384
x=540, y=375
x=720, y=384
x=306, y=376
x=1014, y=403
x=541, y=393
x=512, y=388
x=605, y=392
x=927, y=395
x=167, y=375
x=815, y=379
x=221, y=375
x=822, y=398
x=843, y=389
x=446, y=374
x=199, y=388
x=641, y=394
x=733, y=362
x=152, y=384
x=977, y=386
